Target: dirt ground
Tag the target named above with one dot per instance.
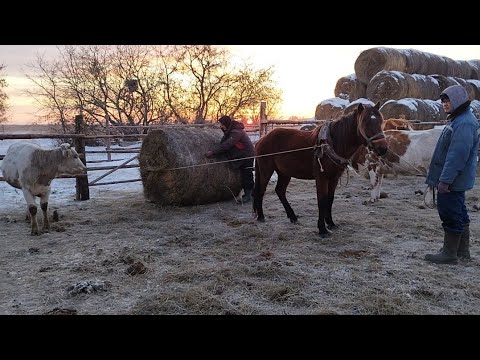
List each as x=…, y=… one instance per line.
x=120, y=254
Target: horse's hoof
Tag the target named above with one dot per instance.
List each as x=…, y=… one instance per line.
x=332, y=227
x=294, y=221
x=261, y=219
x=325, y=234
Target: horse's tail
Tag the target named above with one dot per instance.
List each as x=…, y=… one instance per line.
x=256, y=190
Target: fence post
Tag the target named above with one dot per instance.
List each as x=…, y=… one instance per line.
x=263, y=118
x=107, y=140
x=81, y=186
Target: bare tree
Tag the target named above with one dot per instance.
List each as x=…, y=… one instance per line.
x=201, y=83
x=3, y=96
x=143, y=85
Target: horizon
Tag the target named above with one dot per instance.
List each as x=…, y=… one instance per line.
x=306, y=74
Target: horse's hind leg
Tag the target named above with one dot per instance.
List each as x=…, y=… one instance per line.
x=259, y=188
x=281, y=190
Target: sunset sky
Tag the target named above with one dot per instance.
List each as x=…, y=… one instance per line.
x=307, y=74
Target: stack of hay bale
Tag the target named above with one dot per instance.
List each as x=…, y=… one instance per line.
x=407, y=83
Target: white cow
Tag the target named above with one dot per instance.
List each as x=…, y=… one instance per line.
x=409, y=153
x=31, y=168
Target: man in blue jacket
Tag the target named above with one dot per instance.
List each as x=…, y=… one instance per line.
x=452, y=171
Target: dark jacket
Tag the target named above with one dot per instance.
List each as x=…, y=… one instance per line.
x=454, y=159
x=235, y=142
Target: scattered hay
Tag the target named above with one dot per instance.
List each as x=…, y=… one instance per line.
x=174, y=168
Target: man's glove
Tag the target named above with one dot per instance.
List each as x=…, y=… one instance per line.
x=209, y=153
x=443, y=188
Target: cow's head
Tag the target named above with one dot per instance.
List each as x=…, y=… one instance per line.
x=71, y=163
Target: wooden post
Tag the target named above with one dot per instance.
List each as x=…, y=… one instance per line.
x=107, y=140
x=263, y=118
x=81, y=187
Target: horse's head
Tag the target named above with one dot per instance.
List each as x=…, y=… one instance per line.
x=370, y=120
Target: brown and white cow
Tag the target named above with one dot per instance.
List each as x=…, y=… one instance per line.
x=396, y=124
x=31, y=168
x=409, y=153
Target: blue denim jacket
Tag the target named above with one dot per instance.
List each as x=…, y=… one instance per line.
x=454, y=160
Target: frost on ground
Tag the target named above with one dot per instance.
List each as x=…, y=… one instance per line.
x=216, y=259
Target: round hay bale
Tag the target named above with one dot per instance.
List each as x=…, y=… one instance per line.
x=350, y=88
x=394, y=85
x=354, y=104
x=166, y=149
x=444, y=81
x=411, y=61
x=475, y=65
x=372, y=61
x=475, y=85
x=414, y=109
x=475, y=105
x=330, y=109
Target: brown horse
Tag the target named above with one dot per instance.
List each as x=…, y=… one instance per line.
x=321, y=154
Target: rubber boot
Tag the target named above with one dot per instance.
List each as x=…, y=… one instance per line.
x=448, y=254
x=247, y=195
x=464, y=245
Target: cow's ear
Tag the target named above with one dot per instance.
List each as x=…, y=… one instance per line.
x=360, y=107
x=377, y=105
x=65, y=149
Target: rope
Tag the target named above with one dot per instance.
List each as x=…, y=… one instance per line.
x=227, y=161
x=419, y=172
x=432, y=189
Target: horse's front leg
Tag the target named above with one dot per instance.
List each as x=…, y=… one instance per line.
x=332, y=185
x=322, y=201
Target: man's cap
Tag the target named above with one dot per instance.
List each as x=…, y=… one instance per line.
x=225, y=120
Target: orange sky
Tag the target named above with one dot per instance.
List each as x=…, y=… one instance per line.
x=307, y=74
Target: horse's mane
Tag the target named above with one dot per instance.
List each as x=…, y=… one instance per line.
x=342, y=131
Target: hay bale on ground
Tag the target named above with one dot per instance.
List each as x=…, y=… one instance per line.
x=350, y=88
x=330, y=109
x=184, y=147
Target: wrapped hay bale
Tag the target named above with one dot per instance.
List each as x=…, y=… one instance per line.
x=374, y=60
x=350, y=88
x=194, y=183
x=330, y=109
